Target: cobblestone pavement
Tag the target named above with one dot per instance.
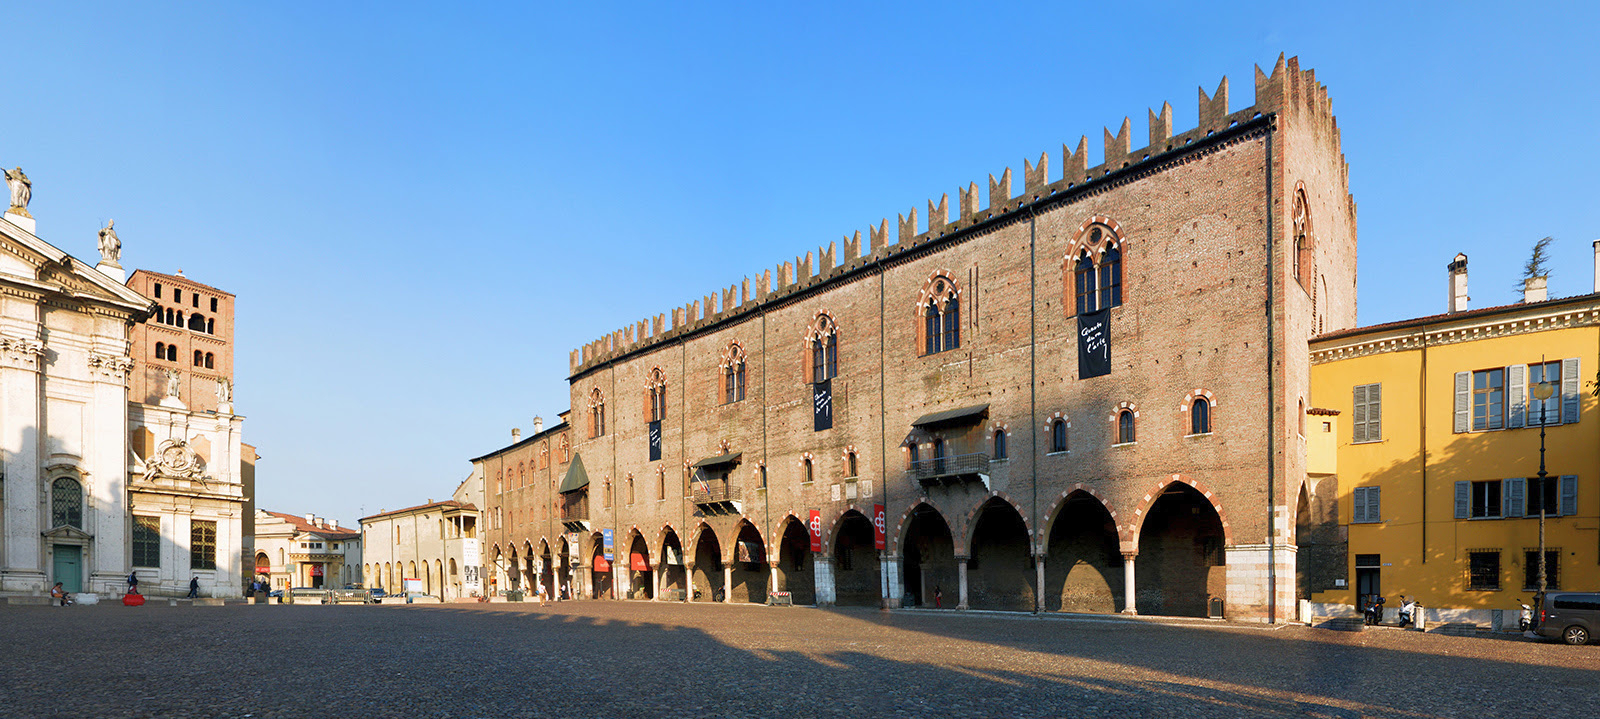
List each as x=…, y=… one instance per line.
x=610, y=659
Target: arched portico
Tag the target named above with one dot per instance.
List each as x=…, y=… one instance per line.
x=855, y=562
x=671, y=572
x=1181, y=553
x=706, y=574
x=795, y=569
x=641, y=576
x=1000, y=571
x=1083, y=569
x=600, y=570
x=749, y=573
x=927, y=550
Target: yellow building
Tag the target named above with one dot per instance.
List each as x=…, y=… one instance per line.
x=1436, y=453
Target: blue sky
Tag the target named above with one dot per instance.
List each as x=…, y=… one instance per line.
x=423, y=208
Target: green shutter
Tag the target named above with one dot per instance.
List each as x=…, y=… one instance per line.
x=1463, y=498
x=1358, y=506
x=1373, y=514
x=1358, y=410
x=1374, y=416
x=1463, y=404
x=1569, y=495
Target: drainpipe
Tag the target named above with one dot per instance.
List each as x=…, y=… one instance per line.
x=1033, y=395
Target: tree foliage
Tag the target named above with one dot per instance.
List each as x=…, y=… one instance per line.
x=1536, y=261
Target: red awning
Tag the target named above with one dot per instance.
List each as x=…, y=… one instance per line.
x=638, y=563
x=600, y=563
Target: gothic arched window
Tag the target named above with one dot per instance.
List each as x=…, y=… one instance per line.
x=1200, y=416
x=1084, y=273
x=733, y=373
x=597, y=413
x=824, y=349
x=1125, y=427
x=941, y=316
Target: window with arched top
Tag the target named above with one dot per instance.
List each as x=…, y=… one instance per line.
x=1000, y=451
x=1058, y=436
x=1304, y=241
x=1111, y=278
x=211, y=361
x=197, y=322
x=66, y=503
x=1083, y=273
x=807, y=471
x=1200, y=416
x=851, y=467
x=824, y=338
x=1125, y=427
x=733, y=373
x=1095, y=265
x=941, y=315
x=566, y=450
x=661, y=483
x=938, y=455
x=172, y=353
x=199, y=358
x=656, y=396
x=211, y=326
x=630, y=490
x=161, y=350
x=597, y=413
x=544, y=455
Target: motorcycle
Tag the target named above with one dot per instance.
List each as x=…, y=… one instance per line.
x=1374, y=611
x=1408, y=612
x=1525, y=619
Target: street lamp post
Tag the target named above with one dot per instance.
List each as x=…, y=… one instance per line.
x=1542, y=391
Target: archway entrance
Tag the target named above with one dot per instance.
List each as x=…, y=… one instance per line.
x=855, y=563
x=641, y=582
x=708, y=567
x=600, y=569
x=795, y=574
x=1304, y=541
x=1083, y=565
x=674, y=580
x=513, y=571
x=564, y=567
x=1181, y=562
x=749, y=566
x=929, y=553
x=1000, y=574
x=547, y=570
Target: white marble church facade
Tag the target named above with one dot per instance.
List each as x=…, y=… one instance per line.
x=80, y=502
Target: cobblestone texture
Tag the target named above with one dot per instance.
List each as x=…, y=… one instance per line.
x=610, y=659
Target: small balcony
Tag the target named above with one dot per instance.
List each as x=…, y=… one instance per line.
x=575, y=511
x=951, y=470
x=716, y=497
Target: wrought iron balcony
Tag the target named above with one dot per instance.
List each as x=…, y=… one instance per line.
x=953, y=469
x=716, y=497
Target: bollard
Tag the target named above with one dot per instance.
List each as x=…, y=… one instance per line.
x=1421, y=622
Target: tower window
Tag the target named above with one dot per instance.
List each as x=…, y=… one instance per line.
x=1200, y=416
x=213, y=304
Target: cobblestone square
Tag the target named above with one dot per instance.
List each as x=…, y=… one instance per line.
x=628, y=659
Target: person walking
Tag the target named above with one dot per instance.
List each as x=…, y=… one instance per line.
x=133, y=582
x=194, y=587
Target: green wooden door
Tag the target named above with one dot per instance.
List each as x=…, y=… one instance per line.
x=69, y=567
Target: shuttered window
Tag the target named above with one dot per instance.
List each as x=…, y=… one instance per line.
x=1569, y=495
x=1502, y=397
x=1569, y=390
x=1366, y=508
x=1368, y=411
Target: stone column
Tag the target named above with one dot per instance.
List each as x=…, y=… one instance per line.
x=961, y=583
x=1038, y=577
x=655, y=575
x=823, y=572
x=772, y=579
x=1128, y=589
x=19, y=438
x=891, y=581
x=727, y=582
x=688, y=581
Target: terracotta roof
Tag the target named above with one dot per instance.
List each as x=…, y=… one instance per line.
x=446, y=504
x=301, y=525
x=1454, y=316
x=175, y=278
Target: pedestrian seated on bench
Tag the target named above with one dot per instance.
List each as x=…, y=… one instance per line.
x=61, y=595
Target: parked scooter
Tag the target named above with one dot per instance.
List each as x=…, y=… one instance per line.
x=1525, y=619
x=1374, y=611
x=1408, y=611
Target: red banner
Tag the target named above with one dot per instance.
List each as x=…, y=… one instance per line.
x=600, y=564
x=815, y=528
x=638, y=564
x=879, y=527
x=316, y=570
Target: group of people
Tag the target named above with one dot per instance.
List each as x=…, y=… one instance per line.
x=59, y=593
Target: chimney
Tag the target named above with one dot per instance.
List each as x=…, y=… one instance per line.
x=538, y=422
x=1533, y=289
x=311, y=518
x=1458, y=283
x=1596, y=266
x=516, y=434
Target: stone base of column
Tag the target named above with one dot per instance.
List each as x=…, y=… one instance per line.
x=827, y=596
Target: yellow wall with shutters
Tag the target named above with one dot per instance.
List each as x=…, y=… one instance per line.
x=1423, y=546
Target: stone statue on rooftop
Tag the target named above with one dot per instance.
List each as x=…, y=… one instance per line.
x=110, y=244
x=21, y=191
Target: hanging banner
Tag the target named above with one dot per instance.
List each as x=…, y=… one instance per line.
x=606, y=538
x=469, y=554
x=815, y=528
x=655, y=441
x=880, y=535
x=822, y=405
x=750, y=552
x=1094, y=344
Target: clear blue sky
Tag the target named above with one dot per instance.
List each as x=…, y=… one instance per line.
x=423, y=208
